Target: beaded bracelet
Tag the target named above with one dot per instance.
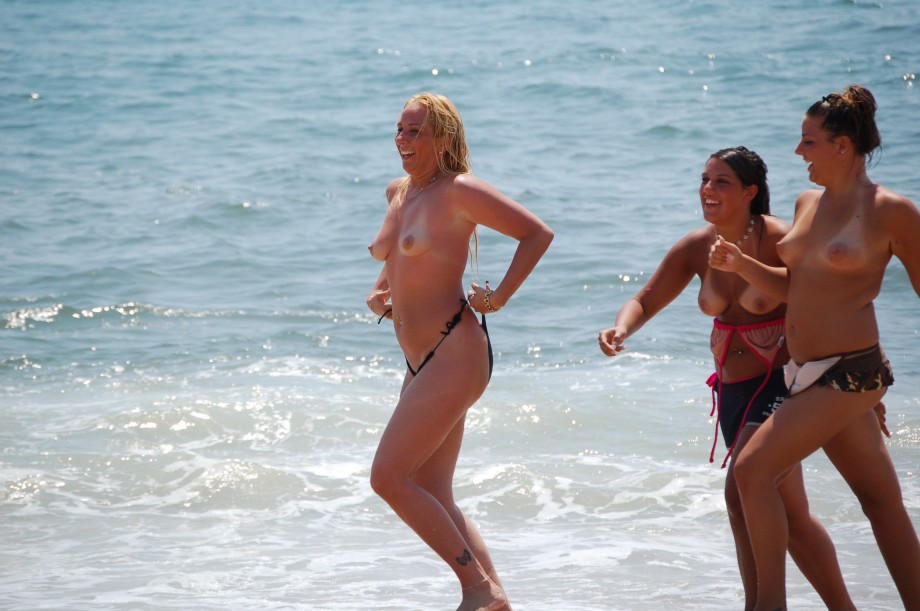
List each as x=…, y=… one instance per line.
x=485, y=298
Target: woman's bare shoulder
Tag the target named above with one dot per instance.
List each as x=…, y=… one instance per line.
x=689, y=255
x=703, y=234
x=896, y=208
x=886, y=197
x=694, y=244
x=473, y=195
x=392, y=187
x=469, y=185
x=776, y=226
x=809, y=197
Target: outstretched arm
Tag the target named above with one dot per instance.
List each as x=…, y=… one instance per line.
x=630, y=319
x=727, y=257
x=672, y=276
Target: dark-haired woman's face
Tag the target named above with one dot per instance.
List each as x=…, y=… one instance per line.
x=817, y=149
x=723, y=197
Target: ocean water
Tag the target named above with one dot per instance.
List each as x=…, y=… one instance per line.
x=192, y=389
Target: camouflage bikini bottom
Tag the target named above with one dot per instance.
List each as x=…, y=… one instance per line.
x=858, y=371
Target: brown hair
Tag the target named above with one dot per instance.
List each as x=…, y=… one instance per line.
x=750, y=170
x=851, y=114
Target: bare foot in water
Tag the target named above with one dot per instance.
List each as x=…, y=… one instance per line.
x=484, y=596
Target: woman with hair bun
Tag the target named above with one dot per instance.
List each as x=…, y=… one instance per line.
x=747, y=347
x=424, y=244
x=834, y=257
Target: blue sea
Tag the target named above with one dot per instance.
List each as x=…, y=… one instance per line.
x=192, y=389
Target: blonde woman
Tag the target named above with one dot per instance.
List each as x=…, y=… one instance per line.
x=424, y=246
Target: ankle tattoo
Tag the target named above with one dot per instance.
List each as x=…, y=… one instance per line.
x=465, y=558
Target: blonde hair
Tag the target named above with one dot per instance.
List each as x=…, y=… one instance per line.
x=454, y=158
x=447, y=125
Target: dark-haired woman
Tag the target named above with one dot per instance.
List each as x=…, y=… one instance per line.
x=835, y=256
x=747, y=345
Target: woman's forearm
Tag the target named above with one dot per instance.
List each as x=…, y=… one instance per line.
x=774, y=281
x=528, y=253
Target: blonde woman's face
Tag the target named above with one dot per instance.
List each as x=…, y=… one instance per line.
x=415, y=142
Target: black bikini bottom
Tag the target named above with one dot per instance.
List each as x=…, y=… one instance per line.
x=450, y=325
x=741, y=400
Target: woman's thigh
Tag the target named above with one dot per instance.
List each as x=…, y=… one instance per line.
x=804, y=423
x=433, y=403
x=860, y=455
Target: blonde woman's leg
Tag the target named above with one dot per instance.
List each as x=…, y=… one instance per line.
x=414, y=465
